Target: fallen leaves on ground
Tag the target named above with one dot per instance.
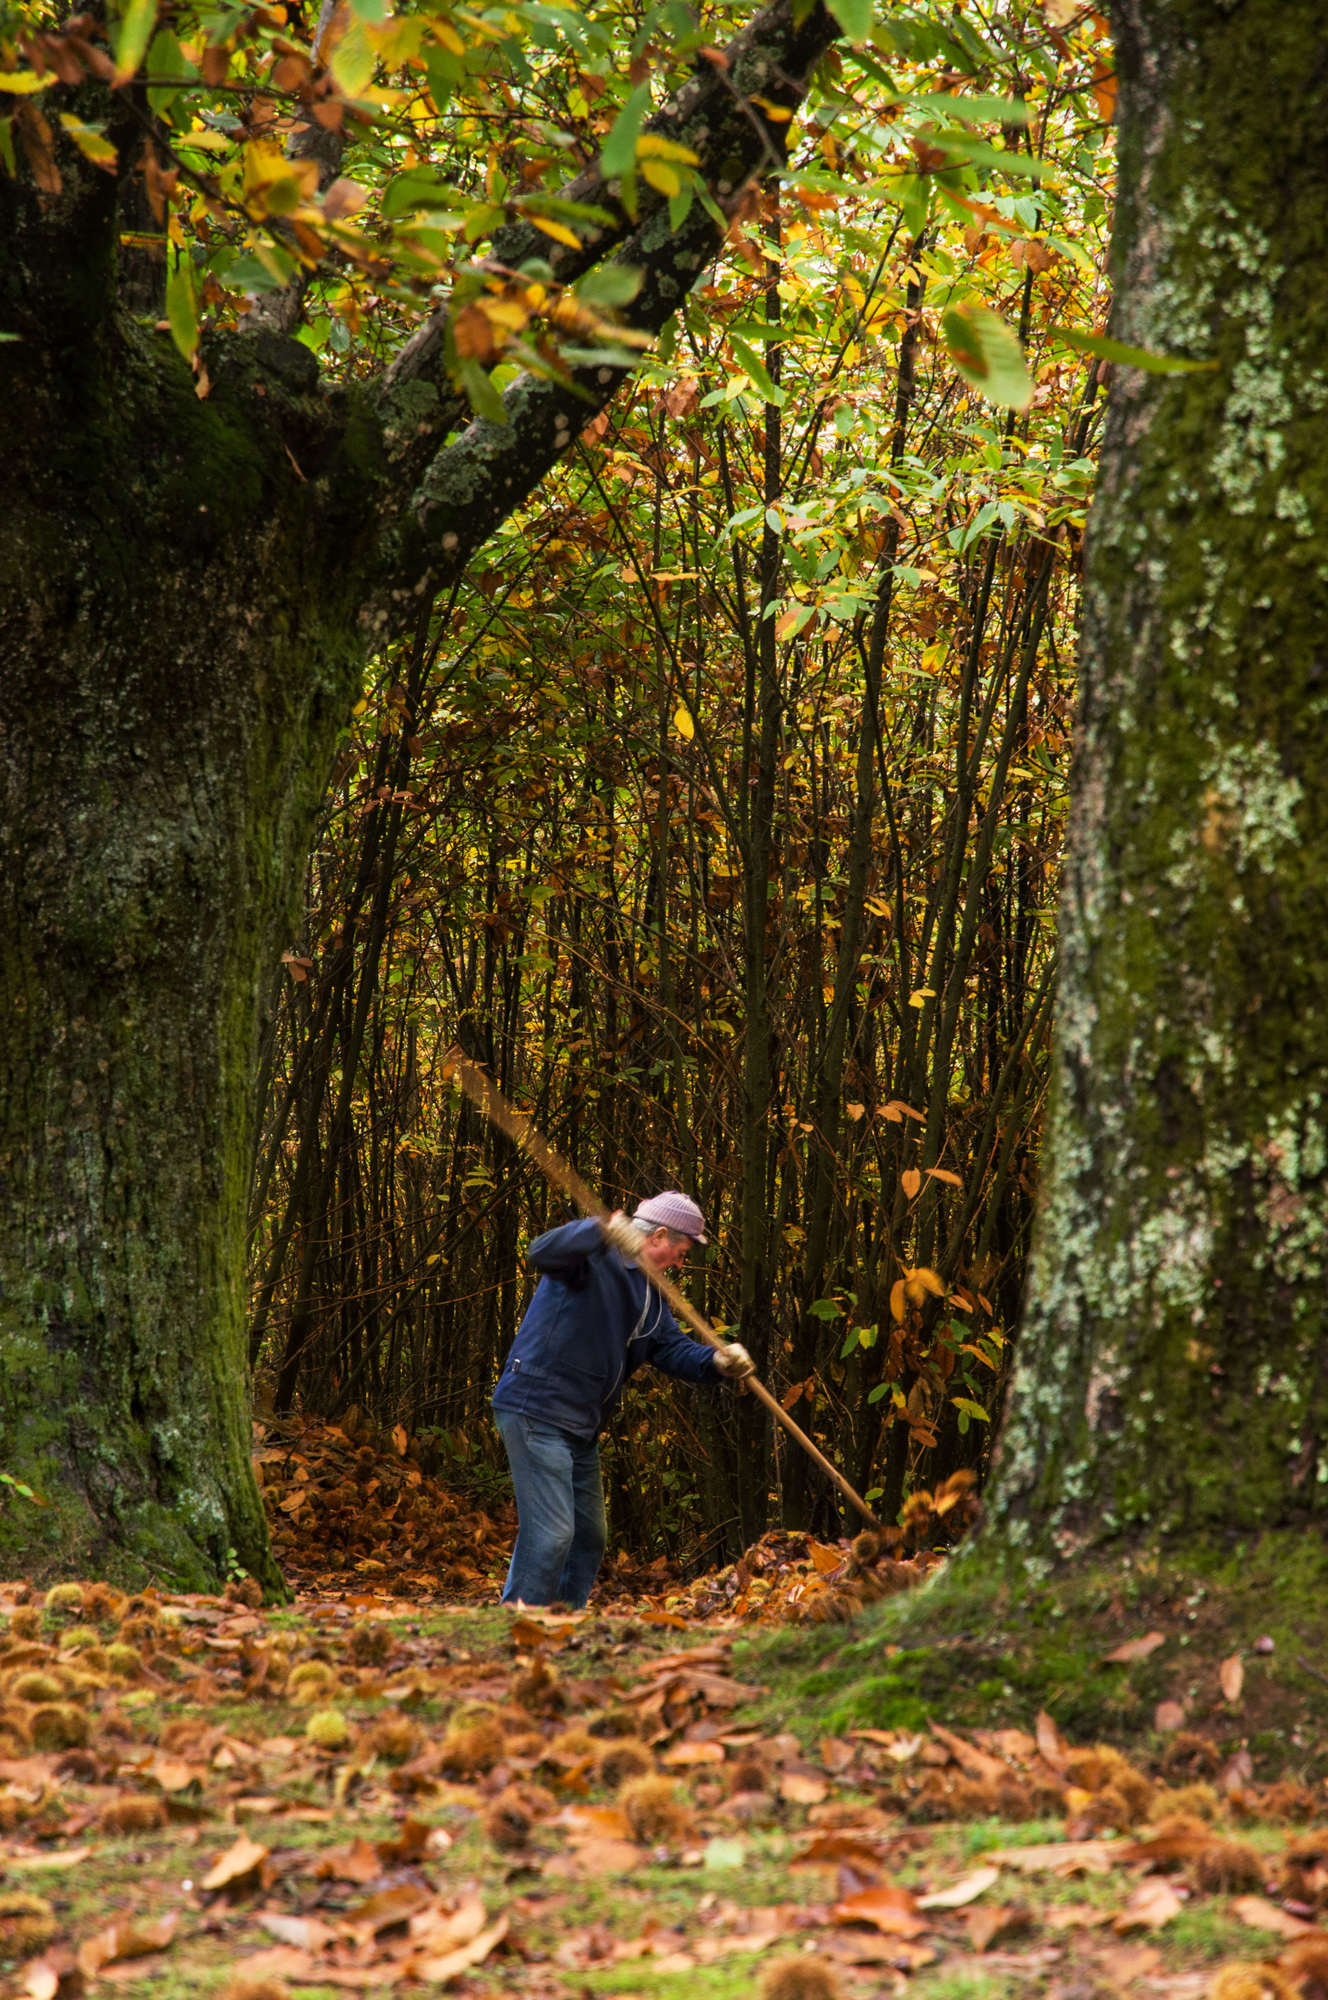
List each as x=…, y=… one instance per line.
x=366, y=1795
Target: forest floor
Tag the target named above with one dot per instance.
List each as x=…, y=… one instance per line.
x=367, y=1791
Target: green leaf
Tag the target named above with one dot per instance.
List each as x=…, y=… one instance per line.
x=1127, y=357
x=853, y=16
x=485, y=400
x=353, y=60
x=982, y=154
x=881, y=1389
x=850, y=1343
x=826, y=1309
x=618, y=155
x=181, y=305
x=973, y=110
x=968, y=1408
x=130, y=42
x=986, y=352
x=611, y=285
x=725, y=1853
x=758, y=374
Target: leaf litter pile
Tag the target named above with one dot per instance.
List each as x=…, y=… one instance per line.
x=348, y=1505
x=198, y=1796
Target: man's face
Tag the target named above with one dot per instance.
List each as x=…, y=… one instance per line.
x=664, y=1250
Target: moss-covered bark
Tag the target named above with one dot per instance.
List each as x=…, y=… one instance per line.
x=1173, y=1366
x=187, y=589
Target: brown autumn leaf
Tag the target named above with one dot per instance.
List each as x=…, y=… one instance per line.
x=803, y=1788
x=357, y=1861
x=910, y=1180
x=944, y=1174
x=1167, y=1847
x=683, y=1754
x=1104, y=90
x=37, y=144
x=1168, y=1715
x=1261, y=1915
x=683, y=397
x=892, y=1910
x=836, y=1754
x=440, y=1930
x=1125, y=1963
x=1050, y=1742
x=967, y=1890
x=977, y=1763
x=825, y=1557
x=239, y=1861
x=995, y=1923
x=1231, y=1677
x=599, y=1857
x=1236, y=1773
x=174, y=1776
x=388, y=1907
x=473, y=335
x=304, y=1933
x=1153, y=1903
x=1134, y=1649
x=844, y=1844
x=595, y=1822
x=125, y=1940
x=1075, y=1916
x=346, y=197
x=1060, y=1857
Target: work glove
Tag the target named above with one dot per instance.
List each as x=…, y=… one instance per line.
x=734, y=1362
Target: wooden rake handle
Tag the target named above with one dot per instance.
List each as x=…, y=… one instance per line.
x=484, y=1092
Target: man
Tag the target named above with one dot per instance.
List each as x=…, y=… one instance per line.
x=594, y=1320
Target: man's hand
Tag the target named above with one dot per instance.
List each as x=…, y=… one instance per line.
x=734, y=1362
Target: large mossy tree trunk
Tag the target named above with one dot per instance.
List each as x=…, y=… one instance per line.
x=188, y=588
x=1172, y=1374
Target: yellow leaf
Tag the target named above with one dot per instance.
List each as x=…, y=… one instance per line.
x=24, y=82
x=360, y=705
x=923, y=993
x=661, y=177
x=683, y=723
x=90, y=141
x=898, y=1308
x=910, y=1180
x=777, y=114
x=557, y=230
x=651, y=147
x=926, y=1278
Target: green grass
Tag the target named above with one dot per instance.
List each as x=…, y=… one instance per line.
x=976, y=1646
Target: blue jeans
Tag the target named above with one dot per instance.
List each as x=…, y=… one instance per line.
x=561, y=1530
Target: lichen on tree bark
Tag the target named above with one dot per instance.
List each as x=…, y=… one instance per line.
x=1173, y=1364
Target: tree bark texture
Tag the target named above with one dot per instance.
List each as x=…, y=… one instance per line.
x=1173, y=1365
x=188, y=588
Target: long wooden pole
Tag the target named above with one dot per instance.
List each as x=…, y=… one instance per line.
x=484, y=1092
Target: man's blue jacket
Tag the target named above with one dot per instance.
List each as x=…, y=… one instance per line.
x=593, y=1321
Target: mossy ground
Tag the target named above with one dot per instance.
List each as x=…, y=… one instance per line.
x=977, y=1647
